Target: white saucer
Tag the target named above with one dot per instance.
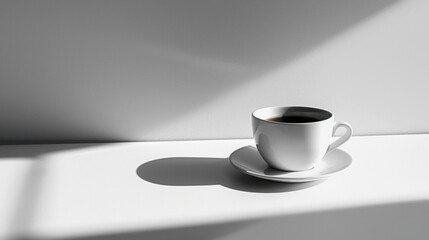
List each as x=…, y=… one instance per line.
x=248, y=160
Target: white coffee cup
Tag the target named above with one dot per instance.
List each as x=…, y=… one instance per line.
x=295, y=138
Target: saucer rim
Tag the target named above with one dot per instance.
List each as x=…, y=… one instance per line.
x=287, y=180
x=247, y=171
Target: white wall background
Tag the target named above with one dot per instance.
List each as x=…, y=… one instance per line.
x=196, y=69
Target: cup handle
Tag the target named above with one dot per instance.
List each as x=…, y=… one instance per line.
x=343, y=138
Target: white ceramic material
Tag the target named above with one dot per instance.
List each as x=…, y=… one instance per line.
x=296, y=146
x=248, y=160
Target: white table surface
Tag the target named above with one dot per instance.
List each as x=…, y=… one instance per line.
x=187, y=189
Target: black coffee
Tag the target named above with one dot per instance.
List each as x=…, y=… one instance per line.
x=294, y=119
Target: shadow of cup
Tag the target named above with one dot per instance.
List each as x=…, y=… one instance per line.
x=199, y=171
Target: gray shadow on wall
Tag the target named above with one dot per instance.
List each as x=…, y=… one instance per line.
x=187, y=171
x=116, y=70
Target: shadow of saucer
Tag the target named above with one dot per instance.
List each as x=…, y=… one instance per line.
x=197, y=171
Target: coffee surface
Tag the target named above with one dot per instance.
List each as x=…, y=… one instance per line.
x=294, y=119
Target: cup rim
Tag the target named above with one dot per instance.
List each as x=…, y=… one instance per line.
x=331, y=115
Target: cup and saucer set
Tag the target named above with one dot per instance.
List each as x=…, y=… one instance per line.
x=293, y=144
